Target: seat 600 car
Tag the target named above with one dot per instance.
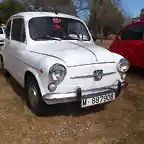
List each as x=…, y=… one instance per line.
x=55, y=58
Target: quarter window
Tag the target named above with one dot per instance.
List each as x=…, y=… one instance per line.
x=18, y=30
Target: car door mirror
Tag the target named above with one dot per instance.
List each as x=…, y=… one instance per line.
x=118, y=37
x=94, y=38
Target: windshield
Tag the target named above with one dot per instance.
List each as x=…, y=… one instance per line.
x=53, y=28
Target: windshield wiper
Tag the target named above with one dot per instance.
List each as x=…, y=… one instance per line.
x=79, y=39
x=47, y=37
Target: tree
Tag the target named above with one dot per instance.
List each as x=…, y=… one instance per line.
x=128, y=20
x=63, y=6
x=29, y=4
x=8, y=8
x=93, y=26
x=105, y=16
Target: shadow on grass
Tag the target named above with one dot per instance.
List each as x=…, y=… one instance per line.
x=136, y=72
x=67, y=109
x=135, y=91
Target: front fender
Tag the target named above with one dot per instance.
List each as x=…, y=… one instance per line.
x=37, y=75
x=42, y=77
x=116, y=57
x=49, y=61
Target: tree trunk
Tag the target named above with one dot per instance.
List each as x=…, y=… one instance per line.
x=101, y=33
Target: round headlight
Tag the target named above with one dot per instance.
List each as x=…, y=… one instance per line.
x=57, y=72
x=123, y=65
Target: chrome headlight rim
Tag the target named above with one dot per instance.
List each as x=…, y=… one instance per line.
x=57, y=69
x=123, y=65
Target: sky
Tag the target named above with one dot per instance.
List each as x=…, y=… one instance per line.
x=83, y=8
x=133, y=7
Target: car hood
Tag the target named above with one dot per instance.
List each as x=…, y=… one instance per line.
x=74, y=53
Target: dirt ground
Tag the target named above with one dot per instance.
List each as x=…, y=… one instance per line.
x=119, y=122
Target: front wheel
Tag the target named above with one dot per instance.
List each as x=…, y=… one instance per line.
x=34, y=100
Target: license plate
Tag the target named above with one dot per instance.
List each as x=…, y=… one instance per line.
x=86, y=102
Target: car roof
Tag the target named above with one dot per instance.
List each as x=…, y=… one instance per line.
x=29, y=15
x=133, y=23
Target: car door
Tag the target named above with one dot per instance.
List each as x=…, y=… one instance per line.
x=17, y=49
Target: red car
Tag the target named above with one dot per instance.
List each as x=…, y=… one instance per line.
x=130, y=43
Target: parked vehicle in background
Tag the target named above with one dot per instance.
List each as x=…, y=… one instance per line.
x=54, y=57
x=130, y=43
x=2, y=36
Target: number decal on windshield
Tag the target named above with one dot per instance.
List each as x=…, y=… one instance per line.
x=56, y=20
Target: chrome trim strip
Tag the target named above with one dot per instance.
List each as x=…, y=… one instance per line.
x=90, y=64
x=91, y=76
x=48, y=55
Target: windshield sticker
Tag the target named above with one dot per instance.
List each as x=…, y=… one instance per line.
x=56, y=20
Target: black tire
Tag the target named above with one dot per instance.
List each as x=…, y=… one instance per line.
x=5, y=72
x=38, y=107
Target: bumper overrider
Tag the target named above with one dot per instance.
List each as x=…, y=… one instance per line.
x=55, y=98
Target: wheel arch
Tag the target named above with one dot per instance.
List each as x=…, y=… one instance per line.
x=35, y=74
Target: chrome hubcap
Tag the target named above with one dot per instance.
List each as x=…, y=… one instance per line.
x=33, y=95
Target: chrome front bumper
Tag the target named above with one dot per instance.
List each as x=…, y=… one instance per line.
x=55, y=98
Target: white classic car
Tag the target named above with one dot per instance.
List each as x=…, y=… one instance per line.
x=55, y=58
x=2, y=36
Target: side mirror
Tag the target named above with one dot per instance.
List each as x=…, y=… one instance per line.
x=94, y=37
x=118, y=38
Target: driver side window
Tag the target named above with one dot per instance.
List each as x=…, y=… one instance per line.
x=133, y=32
